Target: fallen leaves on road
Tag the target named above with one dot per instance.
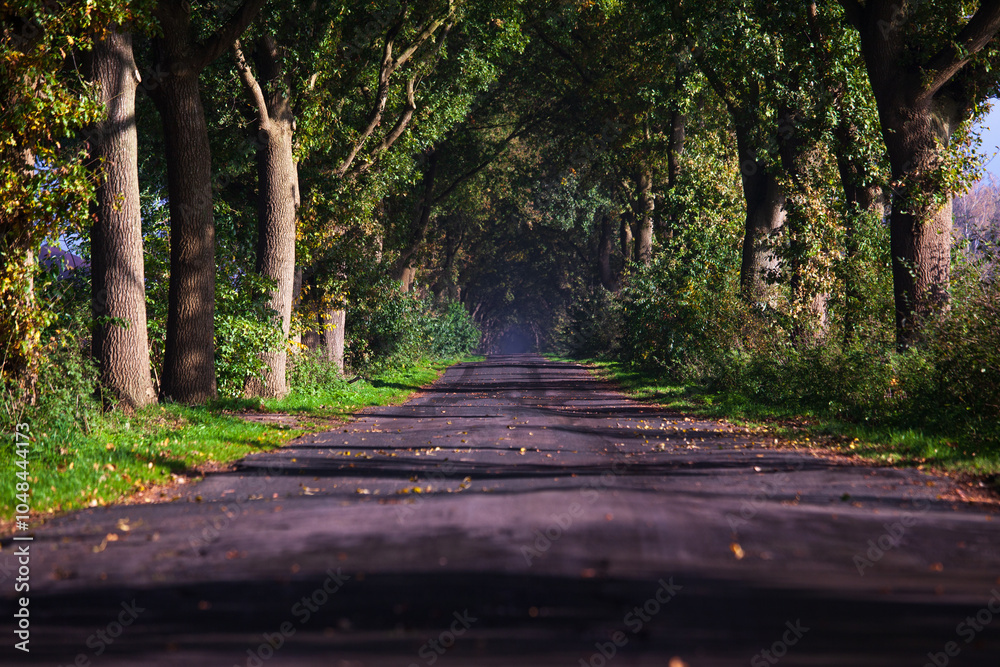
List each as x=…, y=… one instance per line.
x=110, y=537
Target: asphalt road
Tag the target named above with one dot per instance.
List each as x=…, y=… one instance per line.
x=520, y=512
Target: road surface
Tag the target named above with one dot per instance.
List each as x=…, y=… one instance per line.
x=521, y=512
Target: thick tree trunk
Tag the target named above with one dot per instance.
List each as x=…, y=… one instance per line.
x=278, y=199
x=921, y=99
x=121, y=345
x=625, y=237
x=189, y=358
x=799, y=152
x=920, y=235
x=675, y=147
x=644, y=205
x=921, y=263
x=765, y=211
x=607, y=274
x=406, y=276
x=333, y=337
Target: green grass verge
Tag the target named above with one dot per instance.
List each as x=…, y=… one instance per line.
x=879, y=443
x=116, y=456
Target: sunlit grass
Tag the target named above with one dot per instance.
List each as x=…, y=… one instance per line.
x=888, y=445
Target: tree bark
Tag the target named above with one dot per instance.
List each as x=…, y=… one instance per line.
x=625, y=237
x=450, y=291
x=189, y=356
x=333, y=336
x=644, y=206
x=922, y=98
x=405, y=269
x=920, y=236
x=765, y=203
x=675, y=148
x=117, y=271
x=604, y=269
x=278, y=199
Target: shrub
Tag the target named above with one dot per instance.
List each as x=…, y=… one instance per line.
x=311, y=374
x=383, y=326
x=450, y=331
x=245, y=326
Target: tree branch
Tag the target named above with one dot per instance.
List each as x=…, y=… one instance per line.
x=407, y=114
x=403, y=121
x=565, y=56
x=394, y=133
x=224, y=37
x=717, y=84
x=251, y=84
x=375, y=116
x=482, y=165
x=976, y=34
x=426, y=34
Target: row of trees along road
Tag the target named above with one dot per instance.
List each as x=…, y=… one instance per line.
x=339, y=103
x=517, y=157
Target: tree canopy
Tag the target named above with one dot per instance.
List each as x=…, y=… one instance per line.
x=685, y=185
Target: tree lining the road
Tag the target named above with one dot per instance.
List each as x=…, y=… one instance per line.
x=698, y=187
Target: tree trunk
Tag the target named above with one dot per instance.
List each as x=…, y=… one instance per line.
x=625, y=237
x=604, y=255
x=333, y=337
x=675, y=148
x=406, y=277
x=644, y=205
x=799, y=151
x=921, y=263
x=120, y=346
x=922, y=98
x=405, y=269
x=920, y=236
x=765, y=216
x=189, y=358
x=278, y=199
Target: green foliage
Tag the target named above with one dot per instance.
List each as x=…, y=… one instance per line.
x=591, y=325
x=387, y=327
x=954, y=379
x=693, y=332
x=311, y=374
x=44, y=183
x=451, y=331
x=383, y=326
x=245, y=326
